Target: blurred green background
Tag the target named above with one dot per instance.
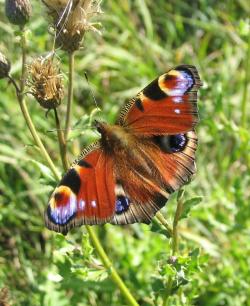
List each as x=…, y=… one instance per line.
x=140, y=40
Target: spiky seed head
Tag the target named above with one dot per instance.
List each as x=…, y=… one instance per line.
x=4, y=66
x=46, y=82
x=71, y=20
x=18, y=11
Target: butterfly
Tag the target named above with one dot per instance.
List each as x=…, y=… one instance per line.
x=129, y=174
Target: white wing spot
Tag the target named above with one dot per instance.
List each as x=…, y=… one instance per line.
x=93, y=203
x=177, y=99
x=82, y=204
x=177, y=111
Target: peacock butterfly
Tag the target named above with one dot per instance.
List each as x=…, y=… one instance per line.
x=128, y=175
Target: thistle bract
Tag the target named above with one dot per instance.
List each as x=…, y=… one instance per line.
x=18, y=11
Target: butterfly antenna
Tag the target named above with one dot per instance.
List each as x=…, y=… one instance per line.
x=65, y=14
x=71, y=129
x=91, y=91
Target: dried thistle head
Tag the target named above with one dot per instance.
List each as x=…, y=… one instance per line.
x=46, y=82
x=4, y=297
x=71, y=19
x=4, y=66
x=18, y=11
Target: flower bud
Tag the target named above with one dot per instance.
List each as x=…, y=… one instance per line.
x=46, y=83
x=18, y=11
x=4, y=66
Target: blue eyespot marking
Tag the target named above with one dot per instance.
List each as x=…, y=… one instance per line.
x=189, y=79
x=61, y=215
x=122, y=204
x=171, y=143
x=177, y=142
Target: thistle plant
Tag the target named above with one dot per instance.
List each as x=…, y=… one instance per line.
x=71, y=20
x=18, y=11
x=46, y=86
x=4, y=66
x=46, y=83
x=42, y=79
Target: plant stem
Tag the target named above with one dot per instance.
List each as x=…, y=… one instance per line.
x=23, y=74
x=245, y=89
x=160, y=218
x=175, y=243
x=107, y=263
x=168, y=290
x=25, y=112
x=61, y=140
x=175, y=223
x=70, y=95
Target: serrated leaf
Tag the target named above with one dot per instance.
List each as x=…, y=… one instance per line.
x=188, y=205
x=194, y=253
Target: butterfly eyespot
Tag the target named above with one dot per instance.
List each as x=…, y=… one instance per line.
x=171, y=143
x=177, y=142
x=62, y=208
x=122, y=204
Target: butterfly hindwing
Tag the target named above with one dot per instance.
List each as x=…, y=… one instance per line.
x=168, y=105
x=173, y=166
x=85, y=195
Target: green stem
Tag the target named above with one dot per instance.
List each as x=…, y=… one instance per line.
x=159, y=216
x=23, y=74
x=177, y=215
x=175, y=243
x=70, y=95
x=245, y=89
x=168, y=290
x=25, y=112
x=61, y=140
x=108, y=265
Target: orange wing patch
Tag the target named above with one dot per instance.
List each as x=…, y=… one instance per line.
x=85, y=194
x=168, y=105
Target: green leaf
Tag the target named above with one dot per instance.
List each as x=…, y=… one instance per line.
x=157, y=228
x=188, y=205
x=45, y=171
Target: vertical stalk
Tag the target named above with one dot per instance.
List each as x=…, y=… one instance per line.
x=109, y=266
x=23, y=74
x=175, y=223
x=23, y=106
x=160, y=218
x=61, y=141
x=246, y=82
x=175, y=242
x=70, y=94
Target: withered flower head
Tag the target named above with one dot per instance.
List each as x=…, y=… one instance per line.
x=46, y=82
x=4, y=66
x=71, y=19
x=18, y=11
x=4, y=297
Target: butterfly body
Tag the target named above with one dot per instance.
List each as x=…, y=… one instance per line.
x=128, y=175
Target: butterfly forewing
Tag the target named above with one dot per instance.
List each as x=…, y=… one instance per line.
x=85, y=194
x=168, y=105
